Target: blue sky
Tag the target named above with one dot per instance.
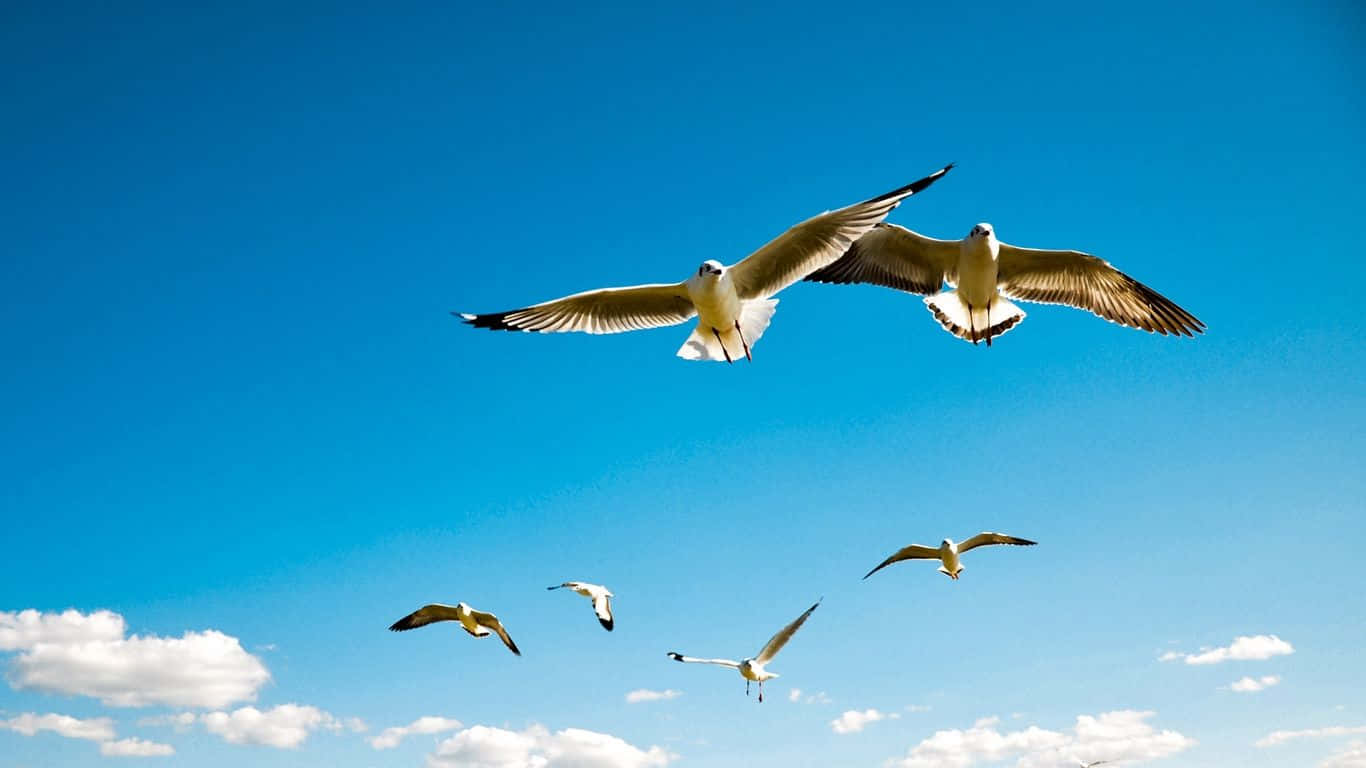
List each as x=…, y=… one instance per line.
x=238, y=403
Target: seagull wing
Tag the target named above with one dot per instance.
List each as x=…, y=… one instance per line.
x=777, y=642
x=691, y=660
x=816, y=242
x=425, y=615
x=983, y=539
x=895, y=257
x=913, y=552
x=1083, y=281
x=607, y=310
x=492, y=622
x=602, y=606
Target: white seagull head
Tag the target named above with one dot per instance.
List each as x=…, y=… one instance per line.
x=710, y=267
x=982, y=230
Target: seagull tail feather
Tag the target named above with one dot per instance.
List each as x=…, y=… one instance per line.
x=702, y=344
x=952, y=313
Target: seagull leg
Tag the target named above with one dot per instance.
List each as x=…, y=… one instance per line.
x=988, y=323
x=743, y=342
x=972, y=326
x=746, y=687
x=761, y=691
x=724, y=351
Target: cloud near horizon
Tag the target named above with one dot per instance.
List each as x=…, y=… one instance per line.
x=487, y=747
x=90, y=655
x=390, y=737
x=853, y=721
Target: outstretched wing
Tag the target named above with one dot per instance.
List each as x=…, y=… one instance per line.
x=816, y=242
x=691, y=660
x=1083, y=281
x=983, y=539
x=777, y=642
x=913, y=552
x=423, y=616
x=602, y=606
x=492, y=622
x=895, y=257
x=607, y=310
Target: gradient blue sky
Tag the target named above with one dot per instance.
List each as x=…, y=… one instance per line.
x=234, y=398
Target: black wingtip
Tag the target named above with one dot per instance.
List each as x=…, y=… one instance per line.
x=401, y=625
x=675, y=656
x=606, y=624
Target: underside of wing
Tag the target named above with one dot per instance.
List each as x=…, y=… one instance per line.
x=816, y=242
x=1083, y=281
x=894, y=257
x=602, y=606
x=988, y=537
x=777, y=642
x=913, y=552
x=423, y=616
x=607, y=310
x=492, y=622
x=693, y=660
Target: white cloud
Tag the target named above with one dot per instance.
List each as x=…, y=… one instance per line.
x=1243, y=648
x=854, y=721
x=1119, y=735
x=390, y=737
x=89, y=655
x=180, y=721
x=797, y=694
x=135, y=748
x=918, y=707
x=355, y=725
x=535, y=747
x=1281, y=737
x=1354, y=756
x=29, y=723
x=1254, y=684
x=285, y=727
x=645, y=694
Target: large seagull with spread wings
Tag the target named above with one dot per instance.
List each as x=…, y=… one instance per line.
x=753, y=669
x=733, y=303
x=986, y=273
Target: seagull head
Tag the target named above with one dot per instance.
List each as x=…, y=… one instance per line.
x=982, y=230
x=710, y=267
x=946, y=543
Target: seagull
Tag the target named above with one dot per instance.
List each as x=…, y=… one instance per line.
x=733, y=303
x=753, y=669
x=948, y=552
x=985, y=271
x=476, y=623
x=1092, y=765
x=600, y=595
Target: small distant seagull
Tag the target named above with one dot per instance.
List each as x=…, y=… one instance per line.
x=601, y=597
x=476, y=623
x=733, y=304
x=948, y=552
x=985, y=271
x=753, y=669
x=1092, y=765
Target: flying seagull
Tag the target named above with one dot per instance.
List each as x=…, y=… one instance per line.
x=601, y=597
x=948, y=552
x=986, y=272
x=753, y=669
x=476, y=623
x=1092, y=765
x=733, y=304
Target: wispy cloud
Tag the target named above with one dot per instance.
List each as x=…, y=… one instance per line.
x=798, y=695
x=390, y=737
x=1281, y=737
x=1254, y=684
x=89, y=655
x=1243, y=648
x=1354, y=756
x=284, y=727
x=1119, y=735
x=645, y=694
x=135, y=748
x=489, y=747
x=853, y=721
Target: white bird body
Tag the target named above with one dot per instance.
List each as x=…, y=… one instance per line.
x=600, y=595
x=733, y=304
x=949, y=553
x=754, y=669
x=977, y=267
